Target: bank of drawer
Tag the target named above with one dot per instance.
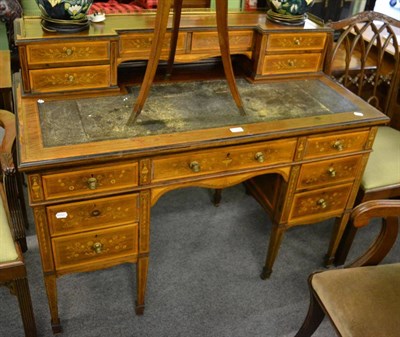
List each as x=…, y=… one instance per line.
x=92, y=214
x=68, y=52
x=206, y=41
x=95, y=247
x=290, y=42
x=320, y=203
x=90, y=181
x=291, y=63
x=325, y=145
x=223, y=159
x=328, y=172
x=140, y=44
x=67, y=79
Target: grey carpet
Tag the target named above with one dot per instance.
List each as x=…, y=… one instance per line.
x=203, y=277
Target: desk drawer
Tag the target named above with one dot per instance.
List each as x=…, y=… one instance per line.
x=291, y=42
x=95, y=247
x=90, y=181
x=140, y=44
x=206, y=41
x=67, y=79
x=291, y=63
x=335, y=144
x=223, y=159
x=329, y=172
x=68, y=53
x=93, y=214
x=320, y=204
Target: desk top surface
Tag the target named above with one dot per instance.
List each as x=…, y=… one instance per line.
x=183, y=116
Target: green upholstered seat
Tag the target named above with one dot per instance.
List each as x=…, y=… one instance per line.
x=383, y=168
x=371, y=294
x=7, y=246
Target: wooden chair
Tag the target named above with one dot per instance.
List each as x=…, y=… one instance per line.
x=12, y=266
x=365, y=59
x=361, y=300
x=12, y=179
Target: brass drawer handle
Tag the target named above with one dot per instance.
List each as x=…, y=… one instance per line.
x=195, y=166
x=297, y=42
x=259, y=156
x=322, y=203
x=332, y=172
x=70, y=78
x=290, y=63
x=338, y=145
x=96, y=212
x=92, y=183
x=69, y=51
x=97, y=247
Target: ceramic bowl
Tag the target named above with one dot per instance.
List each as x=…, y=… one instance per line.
x=290, y=7
x=64, y=9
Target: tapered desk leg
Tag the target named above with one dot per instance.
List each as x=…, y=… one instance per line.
x=273, y=248
x=176, y=21
x=141, y=277
x=222, y=27
x=51, y=290
x=160, y=28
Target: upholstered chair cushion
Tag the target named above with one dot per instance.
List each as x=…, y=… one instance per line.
x=362, y=301
x=7, y=246
x=383, y=168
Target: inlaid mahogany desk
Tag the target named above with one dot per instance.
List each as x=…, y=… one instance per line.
x=92, y=180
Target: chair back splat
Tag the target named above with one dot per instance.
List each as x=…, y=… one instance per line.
x=364, y=57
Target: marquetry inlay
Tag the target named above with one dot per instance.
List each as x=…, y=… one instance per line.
x=144, y=236
x=35, y=185
x=39, y=54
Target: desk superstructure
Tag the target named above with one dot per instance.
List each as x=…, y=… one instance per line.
x=89, y=60
x=301, y=150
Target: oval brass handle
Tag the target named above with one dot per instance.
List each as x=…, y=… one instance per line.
x=92, y=183
x=290, y=63
x=70, y=78
x=195, y=166
x=96, y=212
x=297, y=42
x=259, y=156
x=97, y=247
x=322, y=203
x=69, y=51
x=338, y=145
x=332, y=172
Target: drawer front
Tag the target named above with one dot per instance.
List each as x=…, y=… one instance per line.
x=68, y=52
x=95, y=247
x=93, y=214
x=66, y=79
x=328, y=172
x=206, y=41
x=140, y=44
x=90, y=181
x=290, y=42
x=291, y=63
x=335, y=144
x=320, y=203
x=222, y=160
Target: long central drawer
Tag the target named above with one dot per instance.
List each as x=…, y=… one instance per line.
x=223, y=159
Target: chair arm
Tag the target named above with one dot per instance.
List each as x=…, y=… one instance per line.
x=389, y=210
x=364, y=212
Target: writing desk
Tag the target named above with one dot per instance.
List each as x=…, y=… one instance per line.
x=92, y=181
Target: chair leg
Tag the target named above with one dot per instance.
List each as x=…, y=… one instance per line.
x=25, y=306
x=314, y=317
